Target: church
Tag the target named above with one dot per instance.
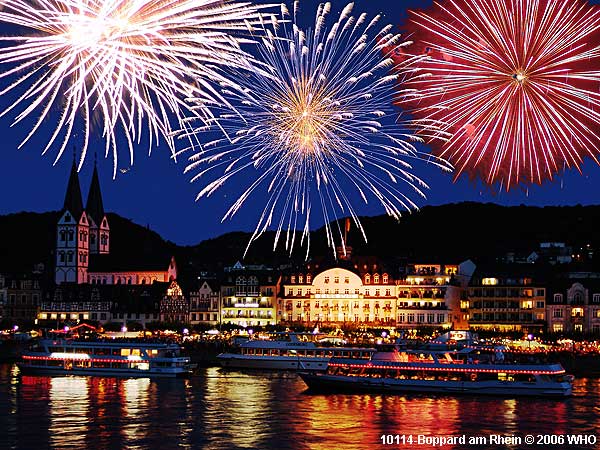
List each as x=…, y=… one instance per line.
x=83, y=242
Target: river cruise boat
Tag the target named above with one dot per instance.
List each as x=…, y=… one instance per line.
x=289, y=351
x=106, y=357
x=449, y=372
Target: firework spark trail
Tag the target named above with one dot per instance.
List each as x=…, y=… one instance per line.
x=517, y=82
x=317, y=127
x=130, y=64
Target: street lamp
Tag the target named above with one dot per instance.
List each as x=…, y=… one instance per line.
x=529, y=339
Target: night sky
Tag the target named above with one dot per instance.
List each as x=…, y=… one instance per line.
x=155, y=192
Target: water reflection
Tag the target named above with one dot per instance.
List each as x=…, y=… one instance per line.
x=68, y=395
x=136, y=412
x=245, y=410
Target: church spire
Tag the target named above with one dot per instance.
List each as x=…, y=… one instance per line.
x=73, y=202
x=94, y=206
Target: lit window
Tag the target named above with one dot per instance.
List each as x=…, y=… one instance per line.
x=489, y=281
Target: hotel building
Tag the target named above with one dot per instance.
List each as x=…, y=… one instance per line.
x=507, y=298
x=573, y=304
x=248, y=296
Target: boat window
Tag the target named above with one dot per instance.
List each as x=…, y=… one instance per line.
x=310, y=353
x=125, y=352
x=140, y=366
x=505, y=377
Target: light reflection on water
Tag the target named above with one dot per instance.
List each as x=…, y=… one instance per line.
x=260, y=410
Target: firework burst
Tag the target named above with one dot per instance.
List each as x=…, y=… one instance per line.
x=128, y=65
x=320, y=129
x=516, y=82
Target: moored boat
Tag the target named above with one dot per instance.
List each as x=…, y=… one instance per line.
x=288, y=351
x=108, y=357
x=447, y=372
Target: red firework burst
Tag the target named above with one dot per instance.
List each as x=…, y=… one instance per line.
x=515, y=83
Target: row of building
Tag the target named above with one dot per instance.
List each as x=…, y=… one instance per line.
x=353, y=292
x=89, y=285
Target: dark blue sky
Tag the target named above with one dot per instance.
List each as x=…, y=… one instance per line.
x=155, y=191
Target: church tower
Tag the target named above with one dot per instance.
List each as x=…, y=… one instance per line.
x=72, y=247
x=99, y=230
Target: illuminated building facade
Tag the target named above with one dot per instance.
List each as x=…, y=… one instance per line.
x=573, y=304
x=174, y=306
x=248, y=296
x=70, y=303
x=204, y=303
x=507, y=299
x=361, y=292
x=425, y=296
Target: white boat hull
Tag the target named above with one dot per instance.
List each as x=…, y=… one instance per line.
x=326, y=382
x=238, y=361
x=105, y=372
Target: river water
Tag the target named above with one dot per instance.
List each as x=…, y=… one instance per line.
x=219, y=409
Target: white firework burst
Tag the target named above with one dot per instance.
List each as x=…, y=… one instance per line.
x=127, y=64
x=321, y=128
